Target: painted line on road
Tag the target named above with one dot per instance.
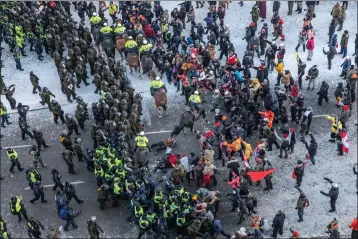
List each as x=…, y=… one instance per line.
x=51, y=185
x=158, y=132
x=17, y=146
x=317, y=116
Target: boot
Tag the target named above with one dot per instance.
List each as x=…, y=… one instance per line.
x=300, y=220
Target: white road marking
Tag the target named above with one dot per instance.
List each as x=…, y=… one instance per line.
x=158, y=132
x=51, y=185
x=18, y=146
x=317, y=116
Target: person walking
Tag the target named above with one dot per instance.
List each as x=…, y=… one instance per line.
x=344, y=44
x=67, y=214
x=93, y=228
x=33, y=228
x=71, y=193
x=56, y=178
x=38, y=192
x=4, y=116
x=17, y=207
x=14, y=158
x=312, y=148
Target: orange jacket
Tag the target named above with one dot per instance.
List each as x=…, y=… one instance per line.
x=354, y=225
x=236, y=145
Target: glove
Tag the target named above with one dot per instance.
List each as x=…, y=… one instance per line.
x=325, y=178
x=321, y=192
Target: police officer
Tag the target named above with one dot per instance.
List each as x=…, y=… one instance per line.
x=95, y=20
x=71, y=125
x=103, y=195
x=16, y=56
x=56, y=178
x=195, y=100
x=32, y=175
x=156, y=85
x=131, y=46
x=33, y=228
x=46, y=96
x=145, y=49
x=119, y=30
x=34, y=154
x=106, y=31
x=4, y=116
x=24, y=128
x=14, y=158
x=39, y=138
x=57, y=112
x=71, y=193
x=35, y=82
x=68, y=158
x=17, y=207
x=93, y=228
x=3, y=229
x=22, y=110
x=144, y=226
x=66, y=141
x=38, y=192
x=141, y=142
x=80, y=115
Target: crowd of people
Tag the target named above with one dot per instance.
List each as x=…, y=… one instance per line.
x=244, y=106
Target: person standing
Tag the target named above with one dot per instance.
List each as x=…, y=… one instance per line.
x=56, y=178
x=312, y=149
x=14, y=158
x=17, y=207
x=16, y=56
x=331, y=30
x=354, y=226
x=332, y=194
x=299, y=172
x=4, y=116
x=33, y=228
x=68, y=158
x=112, y=9
x=302, y=202
x=38, y=192
x=71, y=193
x=57, y=111
x=93, y=228
x=278, y=223
x=344, y=43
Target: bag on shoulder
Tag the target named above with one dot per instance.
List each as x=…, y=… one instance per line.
x=63, y=214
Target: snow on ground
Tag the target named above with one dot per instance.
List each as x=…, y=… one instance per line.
x=284, y=197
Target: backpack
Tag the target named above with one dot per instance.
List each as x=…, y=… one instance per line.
x=63, y=214
x=307, y=202
x=294, y=175
x=206, y=179
x=60, y=201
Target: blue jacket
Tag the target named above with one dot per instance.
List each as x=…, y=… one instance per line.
x=346, y=64
x=238, y=76
x=217, y=225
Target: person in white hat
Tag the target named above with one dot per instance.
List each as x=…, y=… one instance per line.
x=332, y=194
x=141, y=142
x=156, y=85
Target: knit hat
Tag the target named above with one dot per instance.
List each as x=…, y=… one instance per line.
x=285, y=135
x=295, y=234
x=346, y=107
x=217, y=124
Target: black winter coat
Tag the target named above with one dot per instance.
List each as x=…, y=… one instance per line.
x=279, y=220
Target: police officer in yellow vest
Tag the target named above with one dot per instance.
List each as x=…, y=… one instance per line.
x=145, y=49
x=156, y=85
x=141, y=142
x=14, y=158
x=95, y=20
x=181, y=224
x=4, y=117
x=195, y=100
x=119, y=30
x=17, y=207
x=112, y=10
x=106, y=31
x=20, y=43
x=144, y=226
x=131, y=45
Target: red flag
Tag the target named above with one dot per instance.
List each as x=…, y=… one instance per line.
x=257, y=176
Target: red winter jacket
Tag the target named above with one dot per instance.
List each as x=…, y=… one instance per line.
x=310, y=44
x=231, y=60
x=294, y=91
x=172, y=159
x=149, y=32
